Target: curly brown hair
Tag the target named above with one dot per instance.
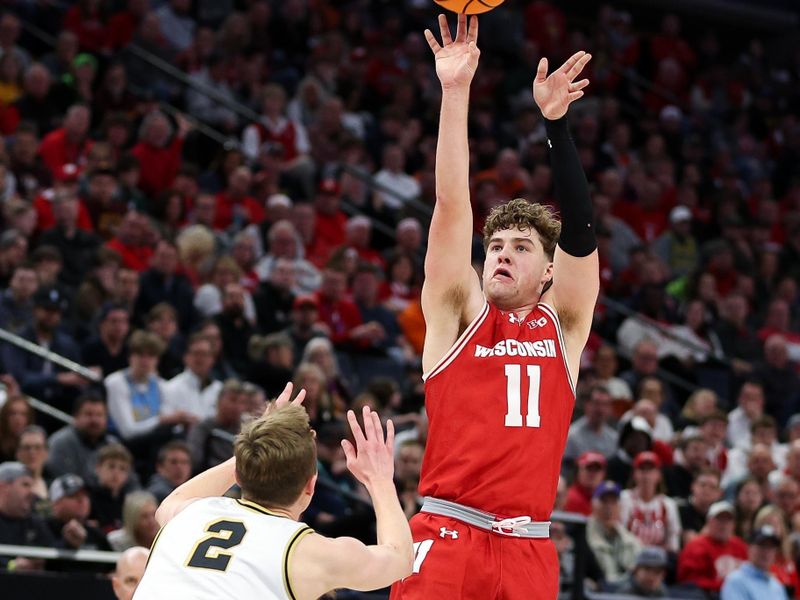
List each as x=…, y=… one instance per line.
x=524, y=215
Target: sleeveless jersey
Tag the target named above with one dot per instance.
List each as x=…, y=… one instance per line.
x=499, y=405
x=218, y=548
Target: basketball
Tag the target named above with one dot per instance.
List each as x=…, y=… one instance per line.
x=470, y=7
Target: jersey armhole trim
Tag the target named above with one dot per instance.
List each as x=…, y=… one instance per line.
x=459, y=344
x=153, y=546
x=554, y=315
x=287, y=557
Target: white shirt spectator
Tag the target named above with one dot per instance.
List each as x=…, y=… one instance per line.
x=660, y=511
x=121, y=410
x=183, y=392
x=402, y=184
x=208, y=302
x=738, y=429
x=736, y=469
x=252, y=142
x=178, y=30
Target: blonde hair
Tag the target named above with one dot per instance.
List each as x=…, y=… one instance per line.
x=772, y=515
x=526, y=216
x=132, y=508
x=276, y=456
x=195, y=243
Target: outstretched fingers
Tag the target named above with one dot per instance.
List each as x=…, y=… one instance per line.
x=575, y=69
x=541, y=71
x=445, y=30
x=390, y=436
x=434, y=45
x=472, y=34
x=358, y=435
x=298, y=400
x=461, y=28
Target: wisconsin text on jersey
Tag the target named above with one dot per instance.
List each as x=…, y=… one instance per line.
x=511, y=347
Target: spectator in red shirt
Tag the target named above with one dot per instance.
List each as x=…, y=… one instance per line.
x=329, y=231
x=340, y=314
x=713, y=554
x=591, y=472
x=70, y=143
x=124, y=24
x=358, y=232
x=132, y=242
x=159, y=153
x=87, y=19
x=66, y=179
x=235, y=205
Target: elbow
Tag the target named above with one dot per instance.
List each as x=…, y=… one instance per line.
x=405, y=563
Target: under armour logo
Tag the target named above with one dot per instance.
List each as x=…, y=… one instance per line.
x=514, y=318
x=540, y=322
x=549, y=143
x=444, y=531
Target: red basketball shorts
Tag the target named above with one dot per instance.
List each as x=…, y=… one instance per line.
x=453, y=560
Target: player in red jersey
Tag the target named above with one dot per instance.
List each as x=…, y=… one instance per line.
x=501, y=355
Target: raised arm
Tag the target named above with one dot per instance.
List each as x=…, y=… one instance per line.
x=322, y=564
x=451, y=293
x=576, y=279
x=216, y=480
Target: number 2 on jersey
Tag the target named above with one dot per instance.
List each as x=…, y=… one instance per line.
x=514, y=395
x=208, y=552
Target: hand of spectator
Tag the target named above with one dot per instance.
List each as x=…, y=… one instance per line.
x=456, y=60
x=372, y=459
x=12, y=387
x=178, y=418
x=22, y=563
x=555, y=93
x=184, y=124
x=74, y=533
x=71, y=379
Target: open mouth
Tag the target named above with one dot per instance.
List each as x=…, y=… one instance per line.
x=503, y=274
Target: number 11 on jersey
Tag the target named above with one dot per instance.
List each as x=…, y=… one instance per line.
x=514, y=395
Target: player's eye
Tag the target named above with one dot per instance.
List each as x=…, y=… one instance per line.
x=495, y=247
x=522, y=248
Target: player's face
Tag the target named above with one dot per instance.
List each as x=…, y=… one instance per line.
x=516, y=268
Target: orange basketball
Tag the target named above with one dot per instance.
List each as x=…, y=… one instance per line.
x=471, y=7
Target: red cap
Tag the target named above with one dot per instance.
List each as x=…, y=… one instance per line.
x=329, y=186
x=305, y=300
x=67, y=173
x=647, y=458
x=591, y=458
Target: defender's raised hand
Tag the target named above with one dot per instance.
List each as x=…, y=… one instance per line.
x=555, y=93
x=456, y=59
x=372, y=459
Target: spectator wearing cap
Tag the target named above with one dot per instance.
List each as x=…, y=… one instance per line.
x=272, y=362
x=591, y=432
x=283, y=241
x=647, y=578
x=16, y=301
x=38, y=376
x=677, y=247
x=70, y=143
x=614, y=547
x=304, y=325
x=691, y=458
x=753, y=578
x=715, y=553
x=18, y=523
x=635, y=436
x=71, y=507
x=173, y=468
x=129, y=571
x=329, y=229
x=274, y=297
x=77, y=246
x=750, y=406
x=207, y=447
x=107, y=350
x=162, y=282
x=692, y=510
x=73, y=448
x=646, y=513
x=591, y=472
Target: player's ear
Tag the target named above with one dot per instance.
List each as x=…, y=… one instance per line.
x=548, y=273
x=310, y=484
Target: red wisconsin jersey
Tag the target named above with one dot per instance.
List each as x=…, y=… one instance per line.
x=499, y=405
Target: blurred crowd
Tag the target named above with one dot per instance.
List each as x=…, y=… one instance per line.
x=201, y=201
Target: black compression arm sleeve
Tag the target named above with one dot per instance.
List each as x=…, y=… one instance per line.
x=571, y=191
